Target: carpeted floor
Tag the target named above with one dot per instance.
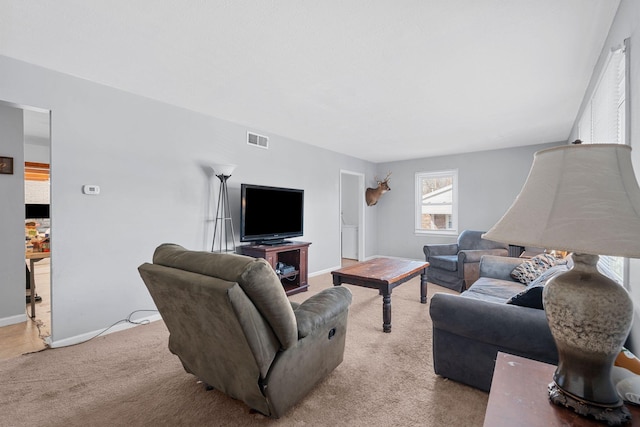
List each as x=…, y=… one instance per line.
x=130, y=378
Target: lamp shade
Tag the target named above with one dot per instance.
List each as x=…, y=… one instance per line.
x=223, y=169
x=581, y=198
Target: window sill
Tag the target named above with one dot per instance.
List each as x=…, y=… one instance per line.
x=436, y=232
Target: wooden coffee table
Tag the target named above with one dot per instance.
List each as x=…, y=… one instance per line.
x=384, y=274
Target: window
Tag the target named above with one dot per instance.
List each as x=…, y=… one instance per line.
x=437, y=202
x=604, y=121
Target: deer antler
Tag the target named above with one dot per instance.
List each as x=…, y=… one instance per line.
x=386, y=178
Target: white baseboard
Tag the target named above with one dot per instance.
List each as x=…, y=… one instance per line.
x=78, y=339
x=12, y=320
x=396, y=257
x=327, y=270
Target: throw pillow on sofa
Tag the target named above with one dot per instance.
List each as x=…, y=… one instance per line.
x=531, y=296
x=532, y=268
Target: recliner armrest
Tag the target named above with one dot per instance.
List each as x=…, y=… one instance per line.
x=321, y=308
x=474, y=255
x=440, y=249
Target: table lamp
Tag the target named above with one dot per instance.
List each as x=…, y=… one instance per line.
x=583, y=199
x=223, y=221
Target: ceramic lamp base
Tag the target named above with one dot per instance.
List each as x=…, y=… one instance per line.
x=589, y=316
x=612, y=415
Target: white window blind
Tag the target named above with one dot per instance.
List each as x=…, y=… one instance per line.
x=603, y=121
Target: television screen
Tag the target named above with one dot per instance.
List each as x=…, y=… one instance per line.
x=36, y=211
x=270, y=214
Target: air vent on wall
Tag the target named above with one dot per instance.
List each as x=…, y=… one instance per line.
x=257, y=140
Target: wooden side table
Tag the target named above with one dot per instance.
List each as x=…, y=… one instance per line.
x=519, y=397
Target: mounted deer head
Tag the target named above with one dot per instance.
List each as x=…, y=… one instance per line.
x=373, y=194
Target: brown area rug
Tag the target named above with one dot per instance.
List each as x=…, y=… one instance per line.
x=130, y=378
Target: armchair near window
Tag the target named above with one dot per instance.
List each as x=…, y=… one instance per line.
x=456, y=265
x=232, y=326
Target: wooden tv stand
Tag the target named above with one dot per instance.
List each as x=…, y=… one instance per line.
x=291, y=253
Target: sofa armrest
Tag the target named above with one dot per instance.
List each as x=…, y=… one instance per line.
x=474, y=255
x=321, y=308
x=440, y=249
x=498, y=267
x=518, y=330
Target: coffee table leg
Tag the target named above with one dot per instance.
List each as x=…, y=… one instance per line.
x=337, y=280
x=386, y=312
x=423, y=286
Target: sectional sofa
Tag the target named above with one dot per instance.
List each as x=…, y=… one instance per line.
x=497, y=313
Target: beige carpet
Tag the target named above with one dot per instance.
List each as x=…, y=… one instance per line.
x=130, y=378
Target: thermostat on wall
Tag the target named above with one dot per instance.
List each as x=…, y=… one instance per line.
x=91, y=189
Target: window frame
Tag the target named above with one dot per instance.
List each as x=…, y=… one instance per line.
x=419, y=176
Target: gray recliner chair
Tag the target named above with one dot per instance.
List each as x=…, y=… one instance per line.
x=232, y=326
x=456, y=265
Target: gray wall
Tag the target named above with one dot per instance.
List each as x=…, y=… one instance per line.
x=488, y=182
x=12, y=273
x=626, y=25
x=148, y=159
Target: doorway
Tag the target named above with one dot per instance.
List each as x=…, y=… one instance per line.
x=352, y=234
x=31, y=209
x=37, y=193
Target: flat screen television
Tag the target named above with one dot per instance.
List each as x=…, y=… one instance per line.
x=36, y=211
x=270, y=214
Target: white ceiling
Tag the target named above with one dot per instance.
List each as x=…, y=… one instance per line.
x=375, y=79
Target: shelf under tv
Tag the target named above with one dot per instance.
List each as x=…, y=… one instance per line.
x=291, y=253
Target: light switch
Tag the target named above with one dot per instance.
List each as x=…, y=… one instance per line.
x=91, y=189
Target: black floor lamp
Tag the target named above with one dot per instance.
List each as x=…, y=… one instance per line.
x=223, y=227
